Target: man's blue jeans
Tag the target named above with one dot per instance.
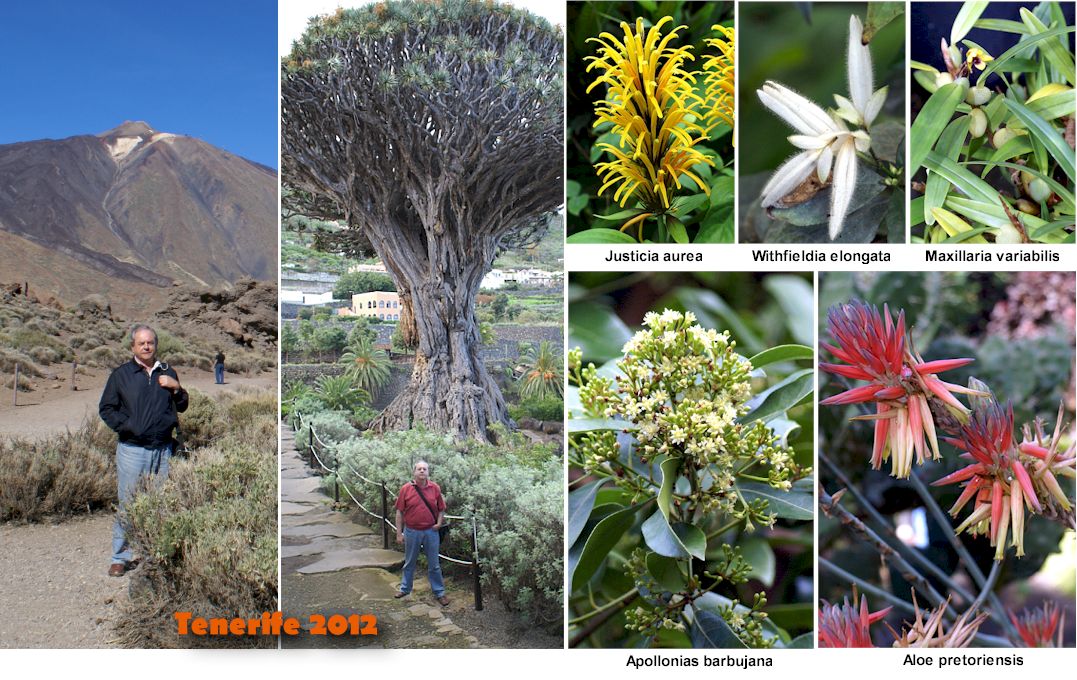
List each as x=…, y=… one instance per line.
x=429, y=542
x=132, y=464
x=218, y=373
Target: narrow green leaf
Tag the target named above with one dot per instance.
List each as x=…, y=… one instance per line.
x=600, y=236
x=781, y=353
x=931, y=121
x=1019, y=49
x=967, y=235
x=605, y=535
x=1053, y=50
x=620, y=215
x=1017, y=146
x=990, y=214
x=797, y=503
x=1047, y=135
x=1053, y=106
x=966, y=18
x=1065, y=194
x=580, y=503
x=1001, y=25
x=782, y=397
x=682, y=205
x=950, y=142
x=960, y=177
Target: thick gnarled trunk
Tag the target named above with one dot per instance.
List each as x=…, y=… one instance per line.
x=450, y=389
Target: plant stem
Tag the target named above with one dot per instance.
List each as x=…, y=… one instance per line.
x=612, y=603
x=916, y=555
x=969, y=563
x=832, y=507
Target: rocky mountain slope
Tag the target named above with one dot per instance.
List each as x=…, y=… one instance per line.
x=131, y=210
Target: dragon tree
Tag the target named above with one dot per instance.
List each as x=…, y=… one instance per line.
x=436, y=130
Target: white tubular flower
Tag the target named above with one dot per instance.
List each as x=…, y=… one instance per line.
x=865, y=105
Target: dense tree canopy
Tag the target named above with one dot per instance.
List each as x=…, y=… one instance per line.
x=436, y=129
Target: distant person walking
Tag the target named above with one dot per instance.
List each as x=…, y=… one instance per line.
x=420, y=512
x=218, y=367
x=141, y=402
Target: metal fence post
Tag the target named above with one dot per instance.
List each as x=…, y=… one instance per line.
x=310, y=443
x=336, y=488
x=384, y=516
x=15, y=397
x=477, y=570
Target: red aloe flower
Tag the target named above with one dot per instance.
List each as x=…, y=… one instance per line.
x=1046, y=460
x=901, y=383
x=846, y=626
x=997, y=479
x=1040, y=627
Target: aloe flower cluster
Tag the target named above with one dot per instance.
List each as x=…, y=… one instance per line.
x=680, y=388
x=828, y=146
x=901, y=384
x=847, y=626
x=1042, y=627
x=1005, y=479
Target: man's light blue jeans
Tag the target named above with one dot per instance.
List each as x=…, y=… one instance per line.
x=132, y=464
x=429, y=542
x=218, y=373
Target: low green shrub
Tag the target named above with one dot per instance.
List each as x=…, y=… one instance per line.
x=515, y=491
x=550, y=407
x=332, y=427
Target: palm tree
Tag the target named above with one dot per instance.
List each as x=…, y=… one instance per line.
x=339, y=393
x=368, y=368
x=544, y=372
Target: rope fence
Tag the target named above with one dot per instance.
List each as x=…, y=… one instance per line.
x=314, y=460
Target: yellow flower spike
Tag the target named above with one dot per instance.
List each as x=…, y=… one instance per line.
x=720, y=70
x=650, y=104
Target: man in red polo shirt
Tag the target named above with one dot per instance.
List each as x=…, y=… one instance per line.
x=420, y=512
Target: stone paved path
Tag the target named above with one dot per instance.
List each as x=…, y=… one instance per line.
x=332, y=563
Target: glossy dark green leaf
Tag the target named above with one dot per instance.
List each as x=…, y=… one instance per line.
x=679, y=540
x=782, y=397
x=797, y=503
x=597, y=331
x=781, y=353
x=598, y=545
x=676, y=230
x=817, y=209
x=580, y=503
x=666, y=572
x=805, y=641
x=710, y=631
x=797, y=300
x=758, y=553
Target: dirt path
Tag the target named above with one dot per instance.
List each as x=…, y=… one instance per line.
x=55, y=408
x=55, y=590
x=331, y=563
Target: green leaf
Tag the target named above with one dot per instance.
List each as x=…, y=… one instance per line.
x=969, y=184
x=797, y=503
x=710, y=631
x=722, y=191
x=605, y=536
x=1001, y=25
x=580, y=503
x=797, y=300
x=1047, y=135
x=677, y=230
x=1019, y=49
x=1053, y=50
x=666, y=572
x=600, y=236
x=572, y=188
x=931, y=121
x=781, y=353
x=576, y=204
x=671, y=468
x=967, y=235
x=879, y=15
x=679, y=540
x=591, y=424
x=716, y=226
x=1017, y=146
x=780, y=398
x=966, y=18
x=1065, y=194
x=950, y=142
x=805, y=641
x=597, y=331
x=758, y=553
x=1053, y=106
x=682, y=205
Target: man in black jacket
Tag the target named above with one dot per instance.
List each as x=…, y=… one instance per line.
x=141, y=401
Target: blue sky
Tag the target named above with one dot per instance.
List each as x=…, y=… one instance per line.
x=202, y=68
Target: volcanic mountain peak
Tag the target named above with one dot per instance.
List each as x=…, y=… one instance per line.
x=123, y=139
